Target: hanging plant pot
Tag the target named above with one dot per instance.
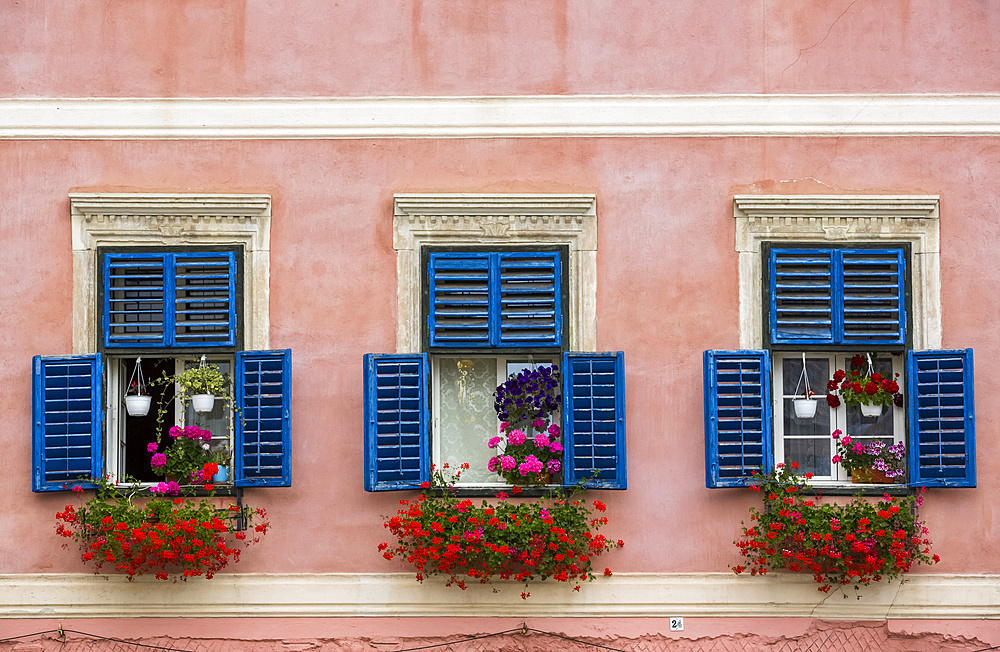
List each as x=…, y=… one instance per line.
x=221, y=475
x=805, y=408
x=870, y=410
x=203, y=402
x=137, y=405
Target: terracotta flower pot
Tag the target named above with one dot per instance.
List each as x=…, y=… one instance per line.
x=870, y=476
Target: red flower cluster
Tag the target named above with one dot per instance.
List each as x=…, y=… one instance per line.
x=176, y=538
x=509, y=539
x=857, y=543
x=857, y=388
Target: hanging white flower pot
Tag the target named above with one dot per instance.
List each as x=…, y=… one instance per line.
x=805, y=408
x=202, y=402
x=870, y=410
x=137, y=405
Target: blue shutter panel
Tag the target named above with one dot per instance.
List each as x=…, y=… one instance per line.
x=397, y=451
x=737, y=416
x=941, y=406
x=530, y=312
x=802, y=295
x=873, y=297
x=594, y=419
x=263, y=433
x=494, y=300
x=169, y=299
x=67, y=421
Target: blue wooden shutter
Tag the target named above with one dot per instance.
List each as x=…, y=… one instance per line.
x=263, y=433
x=495, y=299
x=594, y=419
x=169, y=300
x=530, y=292
x=460, y=299
x=802, y=295
x=872, y=297
x=737, y=416
x=67, y=421
x=397, y=451
x=205, y=299
x=837, y=296
x=941, y=406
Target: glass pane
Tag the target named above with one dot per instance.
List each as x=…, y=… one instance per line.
x=466, y=416
x=813, y=455
x=217, y=421
x=818, y=370
x=817, y=425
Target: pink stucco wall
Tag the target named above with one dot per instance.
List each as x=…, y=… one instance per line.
x=219, y=48
x=667, y=276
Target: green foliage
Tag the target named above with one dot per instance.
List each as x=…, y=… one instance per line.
x=855, y=543
x=510, y=538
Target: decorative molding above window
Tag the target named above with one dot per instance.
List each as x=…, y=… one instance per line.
x=421, y=220
x=170, y=220
x=841, y=219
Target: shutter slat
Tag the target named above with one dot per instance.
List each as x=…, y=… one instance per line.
x=67, y=418
x=942, y=418
x=397, y=451
x=594, y=419
x=737, y=416
x=263, y=427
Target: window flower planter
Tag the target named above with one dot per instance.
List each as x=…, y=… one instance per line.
x=509, y=538
x=854, y=543
x=169, y=538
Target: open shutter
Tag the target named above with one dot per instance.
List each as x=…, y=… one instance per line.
x=263, y=440
x=737, y=416
x=594, y=419
x=397, y=451
x=168, y=299
x=941, y=418
x=67, y=421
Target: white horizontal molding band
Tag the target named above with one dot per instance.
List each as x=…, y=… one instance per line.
x=398, y=594
x=501, y=117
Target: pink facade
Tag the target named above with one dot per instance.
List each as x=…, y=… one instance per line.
x=667, y=289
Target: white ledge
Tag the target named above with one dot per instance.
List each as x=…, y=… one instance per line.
x=398, y=594
x=501, y=117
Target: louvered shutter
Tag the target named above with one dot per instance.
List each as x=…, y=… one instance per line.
x=594, y=419
x=737, y=416
x=263, y=445
x=941, y=406
x=67, y=421
x=397, y=451
x=169, y=299
x=837, y=296
x=495, y=299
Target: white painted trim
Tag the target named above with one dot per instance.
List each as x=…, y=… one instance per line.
x=428, y=219
x=168, y=220
x=501, y=117
x=841, y=219
x=650, y=595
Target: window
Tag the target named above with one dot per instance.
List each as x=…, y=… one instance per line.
x=822, y=304
x=489, y=285
x=165, y=278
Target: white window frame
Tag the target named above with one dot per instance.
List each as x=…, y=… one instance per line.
x=164, y=220
x=838, y=416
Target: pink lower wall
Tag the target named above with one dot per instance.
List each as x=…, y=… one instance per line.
x=667, y=290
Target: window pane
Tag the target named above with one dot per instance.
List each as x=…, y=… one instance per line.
x=813, y=455
x=217, y=421
x=467, y=419
x=818, y=370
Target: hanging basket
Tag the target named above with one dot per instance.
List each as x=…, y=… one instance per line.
x=137, y=405
x=868, y=410
x=805, y=408
x=202, y=402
